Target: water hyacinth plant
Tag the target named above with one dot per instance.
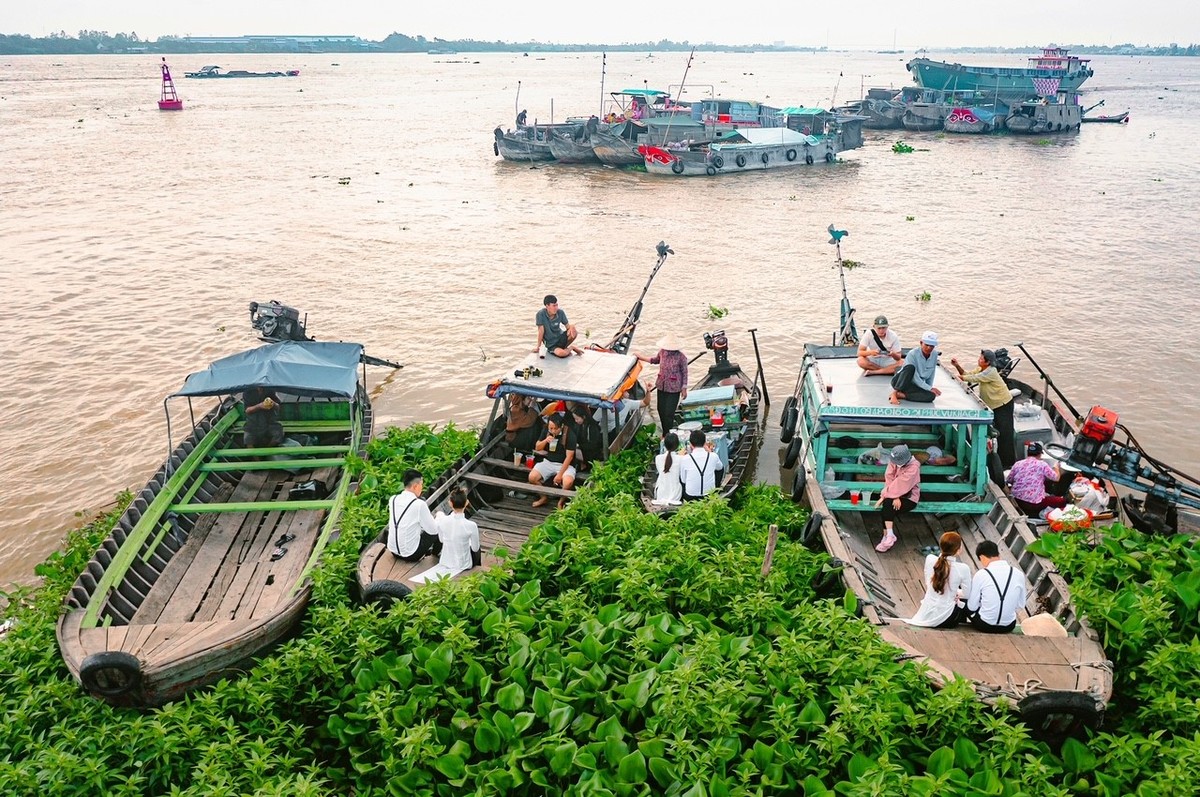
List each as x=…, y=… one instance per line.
x=615, y=653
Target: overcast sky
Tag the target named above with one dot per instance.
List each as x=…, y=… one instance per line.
x=873, y=24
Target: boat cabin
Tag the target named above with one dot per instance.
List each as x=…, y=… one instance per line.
x=733, y=112
x=844, y=415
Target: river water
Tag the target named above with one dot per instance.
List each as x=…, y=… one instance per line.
x=366, y=193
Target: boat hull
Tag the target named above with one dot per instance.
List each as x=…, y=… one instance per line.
x=568, y=150
x=1038, y=118
x=197, y=578
x=734, y=158
x=1002, y=83
x=614, y=150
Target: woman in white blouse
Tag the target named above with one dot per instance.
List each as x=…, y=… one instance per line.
x=947, y=581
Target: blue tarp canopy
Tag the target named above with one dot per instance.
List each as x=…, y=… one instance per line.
x=302, y=368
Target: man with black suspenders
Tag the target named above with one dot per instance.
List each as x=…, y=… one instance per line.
x=412, y=532
x=997, y=592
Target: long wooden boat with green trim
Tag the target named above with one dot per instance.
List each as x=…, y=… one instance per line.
x=211, y=563
x=842, y=419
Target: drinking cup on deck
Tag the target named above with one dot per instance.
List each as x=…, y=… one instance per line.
x=517, y=457
x=866, y=496
x=553, y=444
x=854, y=496
x=529, y=461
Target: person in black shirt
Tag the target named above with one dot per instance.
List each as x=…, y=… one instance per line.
x=587, y=433
x=263, y=428
x=557, y=466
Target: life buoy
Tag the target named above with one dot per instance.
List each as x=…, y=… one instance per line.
x=741, y=161
x=794, y=450
x=710, y=170
x=808, y=158
x=718, y=161
x=384, y=593
x=110, y=673
x=677, y=166
x=765, y=158
x=791, y=154
x=787, y=420
x=830, y=157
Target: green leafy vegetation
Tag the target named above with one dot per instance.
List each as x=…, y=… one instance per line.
x=924, y=296
x=616, y=653
x=715, y=312
x=901, y=148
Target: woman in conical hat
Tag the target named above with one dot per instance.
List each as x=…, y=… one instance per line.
x=671, y=383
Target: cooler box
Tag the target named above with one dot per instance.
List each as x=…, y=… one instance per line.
x=700, y=404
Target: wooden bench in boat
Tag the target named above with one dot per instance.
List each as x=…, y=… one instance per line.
x=523, y=486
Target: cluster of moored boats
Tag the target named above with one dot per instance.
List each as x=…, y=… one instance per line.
x=648, y=128
x=212, y=562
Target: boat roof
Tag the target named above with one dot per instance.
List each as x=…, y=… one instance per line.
x=859, y=398
x=800, y=110
x=671, y=121
x=303, y=368
x=596, y=378
x=774, y=135
x=641, y=93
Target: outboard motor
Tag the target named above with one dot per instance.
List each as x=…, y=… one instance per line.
x=718, y=344
x=1004, y=363
x=1094, y=436
x=276, y=322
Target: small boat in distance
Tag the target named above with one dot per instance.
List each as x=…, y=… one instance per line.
x=168, y=100
x=213, y=71
x=1114, y=119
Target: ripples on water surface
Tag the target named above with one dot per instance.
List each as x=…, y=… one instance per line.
x=133, y=241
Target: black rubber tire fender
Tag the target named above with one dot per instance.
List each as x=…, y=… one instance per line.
x=718, y=161
x=741, y=161
x=791, y=154
x=710, y=170
x=799, y=482
x=808, y=158
x=677, y=166
x=830, y=157
x=110, y=673
x=811, y=535
x=384, y=593
x=792, y=455
x=765, y=157
x=1053, y=716
x=788, y=420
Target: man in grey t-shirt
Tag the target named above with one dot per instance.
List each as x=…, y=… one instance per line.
x=555, y=332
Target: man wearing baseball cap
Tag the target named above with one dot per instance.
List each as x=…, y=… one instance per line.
x=993, y=392
x=914, y=380
x=879, y=350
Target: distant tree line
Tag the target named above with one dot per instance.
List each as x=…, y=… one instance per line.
x=97, y=41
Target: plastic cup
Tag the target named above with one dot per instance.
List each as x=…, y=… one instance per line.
x=854, y=496
x=529, y=461
x=553, y=444
x=866, y=496
x=517, y=457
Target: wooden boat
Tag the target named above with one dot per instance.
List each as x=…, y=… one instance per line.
x=214, y=72
x=1116, y=119
x=496, y=476
x=729, y=406
x=575, y=145
x=1060, y=113
x=526, y=143
x=1054, y=67
x=210, y=564
x=1060, y=684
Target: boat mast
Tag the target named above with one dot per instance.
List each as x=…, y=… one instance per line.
x=682, y=83
x=603, y=70
x=847, y=334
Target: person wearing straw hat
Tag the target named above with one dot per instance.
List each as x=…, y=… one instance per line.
x=672, y=379
x=901, y=492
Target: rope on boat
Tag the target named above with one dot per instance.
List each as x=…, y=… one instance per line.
x=1011, y=689
x=1106, y=666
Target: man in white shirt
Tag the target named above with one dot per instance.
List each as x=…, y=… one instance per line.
x=879, y=350
x=698, y=468
x=412, y=532
x=460, y=537
x=997, y=592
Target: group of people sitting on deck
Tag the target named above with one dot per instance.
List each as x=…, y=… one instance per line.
x=989, y=600
x=413, y=532
x=564, y=436
x=913, y=375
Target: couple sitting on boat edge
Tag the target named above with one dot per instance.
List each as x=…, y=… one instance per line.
x=411, y=536
x=989, y=600
x=692, y=479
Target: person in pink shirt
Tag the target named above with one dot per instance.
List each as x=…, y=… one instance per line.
x=1027, y=482
x=901, y=492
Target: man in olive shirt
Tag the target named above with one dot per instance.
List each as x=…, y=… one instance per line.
x=993, y=391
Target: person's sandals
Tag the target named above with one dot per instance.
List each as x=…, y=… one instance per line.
x=284, y=539
x=278, y=554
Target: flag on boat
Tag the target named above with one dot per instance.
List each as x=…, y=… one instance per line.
x=1046, y=85
x=655, y=154
x=962, y=115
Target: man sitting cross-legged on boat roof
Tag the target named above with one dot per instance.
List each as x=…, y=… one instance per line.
x=555, y=332
x=901, y=492
x=997, y=592
x=559, y=446
x=460, y=537
x=914, y=380
x=412, y=531
x=879, y=350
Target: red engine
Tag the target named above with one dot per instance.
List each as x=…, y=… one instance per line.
x=1101, y=425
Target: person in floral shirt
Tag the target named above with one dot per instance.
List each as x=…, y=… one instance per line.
x=1028, y=479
